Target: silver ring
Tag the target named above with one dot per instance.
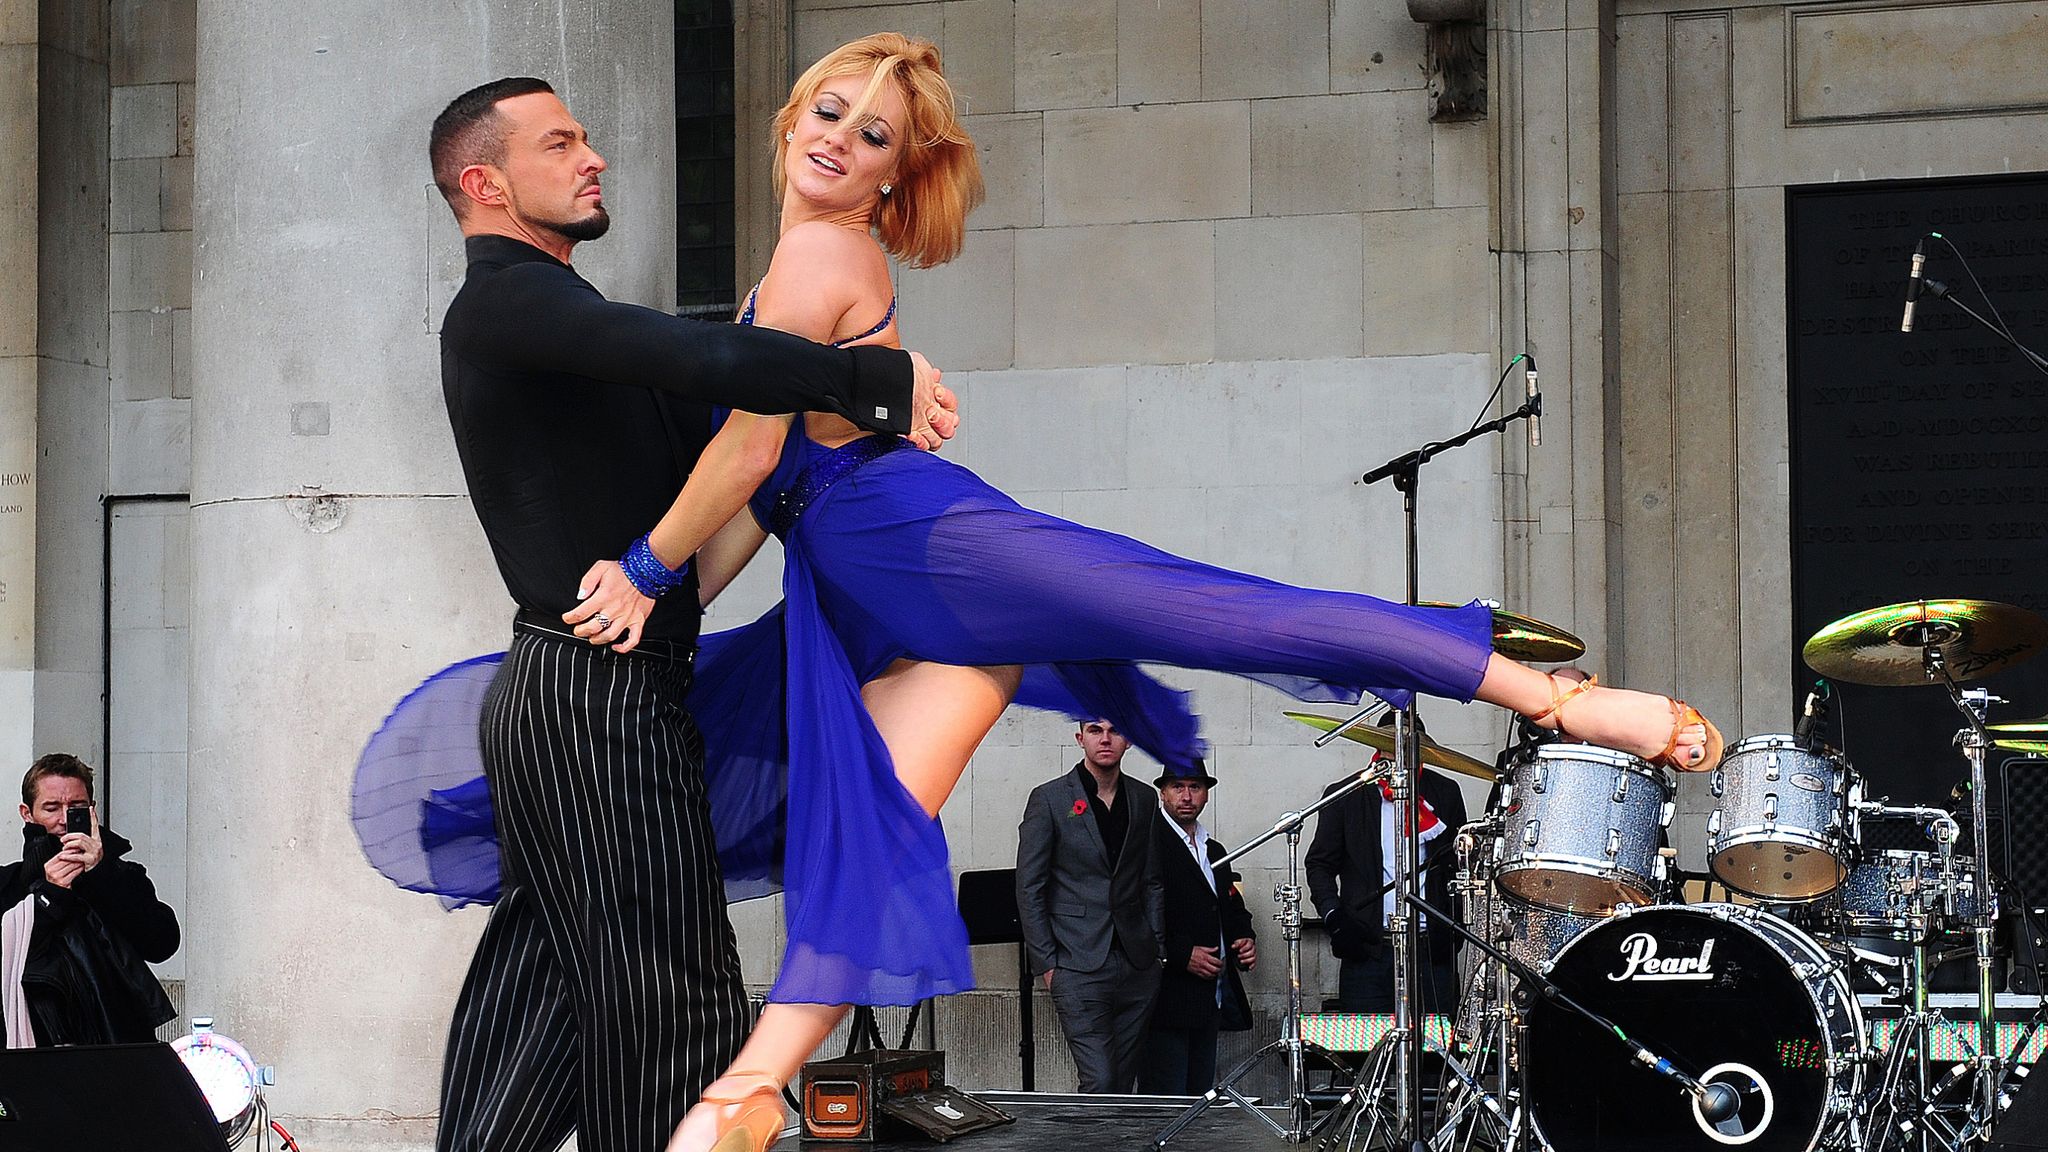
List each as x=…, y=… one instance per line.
x=603, y=621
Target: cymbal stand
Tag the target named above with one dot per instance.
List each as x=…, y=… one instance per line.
x=1975, y=704
x=1299, y=1128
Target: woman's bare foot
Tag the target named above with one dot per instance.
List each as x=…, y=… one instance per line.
x=1656, y=728
x=738, y=1112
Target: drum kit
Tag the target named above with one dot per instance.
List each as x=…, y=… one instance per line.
x=1598, y=969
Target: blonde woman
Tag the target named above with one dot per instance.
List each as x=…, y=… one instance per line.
x=917, y=601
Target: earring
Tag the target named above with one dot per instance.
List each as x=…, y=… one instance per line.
x=788, y=137
x=885, y=189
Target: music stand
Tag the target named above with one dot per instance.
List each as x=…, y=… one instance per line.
x=988, y=903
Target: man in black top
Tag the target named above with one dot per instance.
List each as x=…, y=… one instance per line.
x=1348, y=869
x=606, y=989
x=1090, y=905
x=80, y=923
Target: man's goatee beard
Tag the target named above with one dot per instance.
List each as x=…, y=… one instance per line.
x=589, y=228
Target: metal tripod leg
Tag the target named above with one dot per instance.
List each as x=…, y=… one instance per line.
x=1299, y=1128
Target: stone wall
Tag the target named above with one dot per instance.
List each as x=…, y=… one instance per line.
x=1756, y=99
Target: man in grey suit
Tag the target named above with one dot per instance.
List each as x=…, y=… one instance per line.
x=1091, y=905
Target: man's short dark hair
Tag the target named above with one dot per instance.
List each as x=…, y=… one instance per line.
x=58, y=764
x=470, y=131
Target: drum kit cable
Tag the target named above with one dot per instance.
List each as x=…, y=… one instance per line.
x=1589, y=979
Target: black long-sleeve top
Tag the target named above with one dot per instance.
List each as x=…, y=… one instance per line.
x=577, y=418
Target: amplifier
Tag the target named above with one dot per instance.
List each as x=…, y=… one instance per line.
x=844, y=1098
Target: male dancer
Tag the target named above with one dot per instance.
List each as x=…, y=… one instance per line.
x=606, y=989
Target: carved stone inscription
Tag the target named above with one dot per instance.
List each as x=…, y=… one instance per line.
x=1919, y=460
x=17, y=558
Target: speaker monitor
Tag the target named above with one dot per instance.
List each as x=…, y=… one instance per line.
x=2023, y=1125
x=103, y=1096
x=2019, y=850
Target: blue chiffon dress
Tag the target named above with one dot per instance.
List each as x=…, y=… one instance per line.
x=892, y=553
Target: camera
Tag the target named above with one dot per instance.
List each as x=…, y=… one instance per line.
x=78, y=818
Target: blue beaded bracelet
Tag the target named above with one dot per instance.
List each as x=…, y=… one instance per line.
x=649, y=574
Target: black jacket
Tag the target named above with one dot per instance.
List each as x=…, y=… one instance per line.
x=1073, y=902
x=87, y=979
x=1344, y=868
x=576, y=418
x=1197, y=916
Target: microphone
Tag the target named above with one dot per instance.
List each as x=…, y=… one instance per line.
x=1914, y=281
x=1816, y=707
x=1535, y=406
x=1718, y=1102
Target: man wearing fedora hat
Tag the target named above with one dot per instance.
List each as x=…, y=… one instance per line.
x=1208, y=943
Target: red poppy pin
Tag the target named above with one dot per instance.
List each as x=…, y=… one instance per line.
x=1080, y=806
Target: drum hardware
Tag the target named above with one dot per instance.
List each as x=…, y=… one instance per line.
x=1949, y=642
x=1380, y=738
x=1301, y=1125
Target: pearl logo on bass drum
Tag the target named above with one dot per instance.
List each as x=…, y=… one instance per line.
x=1639, y=951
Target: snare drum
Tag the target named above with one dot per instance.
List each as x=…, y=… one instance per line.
x=1581, y=829
x=1782, y=824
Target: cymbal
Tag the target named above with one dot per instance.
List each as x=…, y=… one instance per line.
x=2036, y=728
x=1520, y=637
x=1433, y=754
x=1884, y=646
x=2036, y=746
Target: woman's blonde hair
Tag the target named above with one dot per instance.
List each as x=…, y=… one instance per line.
x=923, y=221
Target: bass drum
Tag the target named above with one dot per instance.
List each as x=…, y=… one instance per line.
x=1726, y=993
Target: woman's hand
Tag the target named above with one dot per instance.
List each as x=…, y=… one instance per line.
x=612, y=610
x=935, y=408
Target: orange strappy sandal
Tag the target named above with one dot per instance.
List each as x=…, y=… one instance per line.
x=750, y=1121
x=1682, y=716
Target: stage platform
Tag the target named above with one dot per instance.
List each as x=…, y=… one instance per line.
x=1059, y=1122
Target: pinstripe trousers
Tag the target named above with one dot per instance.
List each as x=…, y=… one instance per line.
x=606, y=990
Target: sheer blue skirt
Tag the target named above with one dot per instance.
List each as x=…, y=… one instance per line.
x=908, y=556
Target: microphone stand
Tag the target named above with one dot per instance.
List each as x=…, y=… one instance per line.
x=1941, y=291
x=1405, y=471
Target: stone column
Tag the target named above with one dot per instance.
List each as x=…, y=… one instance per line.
x=18, y=140
x=335, y=558
x=53, y=458
x=1552, y=102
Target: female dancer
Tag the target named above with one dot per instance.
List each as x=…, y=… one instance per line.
x=917, y=600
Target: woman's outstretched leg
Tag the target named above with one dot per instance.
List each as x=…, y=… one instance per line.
x=1640, y=723
x=932, y=717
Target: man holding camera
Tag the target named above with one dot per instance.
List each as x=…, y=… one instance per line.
x=79, y=923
